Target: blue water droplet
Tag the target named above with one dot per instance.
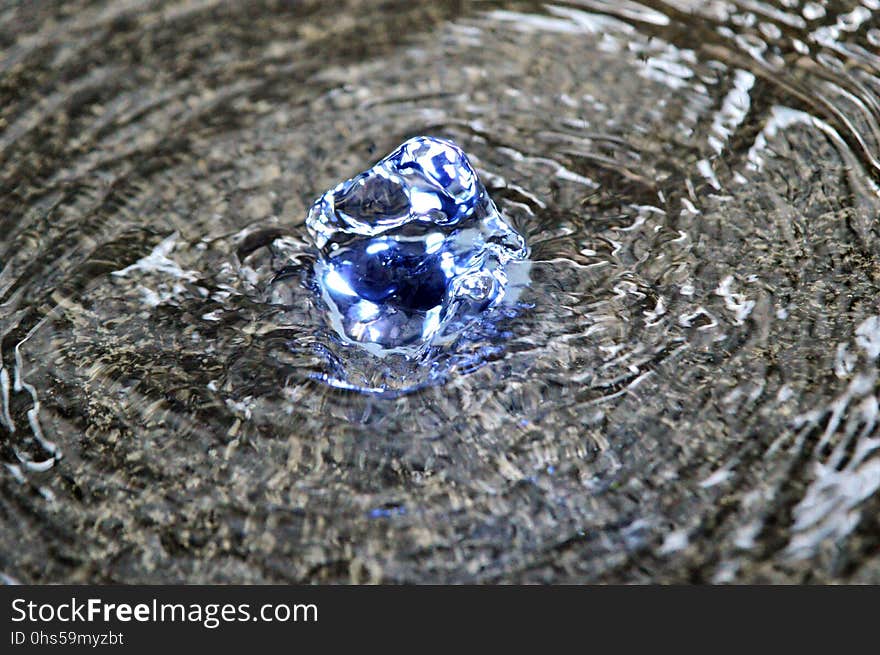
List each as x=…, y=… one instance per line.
x=410, y=245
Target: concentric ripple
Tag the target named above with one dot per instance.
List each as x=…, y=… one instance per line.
x=691, y=393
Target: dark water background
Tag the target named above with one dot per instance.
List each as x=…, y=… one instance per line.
x=693, y=396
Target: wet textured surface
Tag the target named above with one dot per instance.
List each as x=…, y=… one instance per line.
x=692, y=395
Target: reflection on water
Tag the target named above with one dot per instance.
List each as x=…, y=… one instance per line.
x=691, y=394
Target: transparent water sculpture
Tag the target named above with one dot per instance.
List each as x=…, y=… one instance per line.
x=412, y=250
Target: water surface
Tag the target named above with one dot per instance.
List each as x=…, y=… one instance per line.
x=692, y=396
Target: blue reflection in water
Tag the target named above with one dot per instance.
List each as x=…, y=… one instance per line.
x=410, y=247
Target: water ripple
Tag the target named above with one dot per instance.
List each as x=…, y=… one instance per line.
x=691, y=394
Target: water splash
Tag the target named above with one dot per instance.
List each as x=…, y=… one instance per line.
x=412, y=252
x=409, y=247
